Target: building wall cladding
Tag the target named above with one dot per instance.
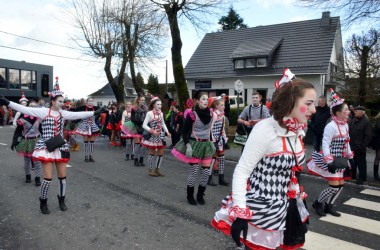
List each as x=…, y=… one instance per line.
x=40, y=69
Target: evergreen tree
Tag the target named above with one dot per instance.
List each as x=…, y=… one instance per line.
x=140, y=80
x=232, y=21
x=153, y=86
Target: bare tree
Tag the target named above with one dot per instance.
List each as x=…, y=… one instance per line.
x=124, y=31
x=354, y=11
x=195, y=11
x=362, y=62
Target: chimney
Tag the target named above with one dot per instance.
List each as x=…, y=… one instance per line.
x=325, y=21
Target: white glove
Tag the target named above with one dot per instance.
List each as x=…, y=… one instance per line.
x=189, y=151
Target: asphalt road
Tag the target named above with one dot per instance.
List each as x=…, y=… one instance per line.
x=115, y=205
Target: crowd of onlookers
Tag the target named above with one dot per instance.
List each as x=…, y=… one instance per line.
x=362, y=136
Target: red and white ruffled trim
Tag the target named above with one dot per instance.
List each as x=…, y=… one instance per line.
x=328, y=158
x=238, y=212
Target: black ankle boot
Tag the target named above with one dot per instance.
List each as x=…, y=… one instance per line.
x=190, y=195
x=132, y=157
x=61, y=201
x=318, y=208
x=376, y=172
x=127, y=157
x=137, y=164
x=44, y=207
x=330, y=210
x=200, y=194
x=37, y=180
x=28, y=178
x=91, y=158
x=211, y=182
x=86, y=159
x=142, y=161
x=222, y=181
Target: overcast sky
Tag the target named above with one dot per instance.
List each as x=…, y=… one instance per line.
x=43, y=20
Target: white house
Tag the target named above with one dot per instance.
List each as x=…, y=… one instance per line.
x=257, y=56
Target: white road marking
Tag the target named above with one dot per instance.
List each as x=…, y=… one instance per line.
x=316, y=241
x=370, y=205
x=371, y=192
x=3, y=144
x=356, y=222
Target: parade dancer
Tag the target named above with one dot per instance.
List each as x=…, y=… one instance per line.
x=154, y=135
x=266, y=202
x=124, y=133
x=88, y=129
x=220, y=137
x=114, y=124
x=28, y=129
x=196, y=146
x=23, y=101
x=333, y=160
x=136, y=130
x=51, y=148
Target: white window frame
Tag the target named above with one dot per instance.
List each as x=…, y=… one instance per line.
x=262, y=58
x=236, y=63
x=252, y=65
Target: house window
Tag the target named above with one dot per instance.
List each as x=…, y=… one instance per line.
x=34, y=80
x=3, y=78
x=239, y=64
x=14, y=79
x=26, y=79
x=250, y=63
x=261, y=62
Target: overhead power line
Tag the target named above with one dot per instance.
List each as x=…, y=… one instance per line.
x=46, y=54
x=55, y=44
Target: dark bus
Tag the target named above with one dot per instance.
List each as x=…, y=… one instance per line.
x=17, y=77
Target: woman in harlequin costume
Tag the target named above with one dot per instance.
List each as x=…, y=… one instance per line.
x=265, y=209
x=28, y=129
x=154, y=124
x=114, y=124
x=220, y=137
x=88, y=129
x=197, y=147
x=124, y=133
x=23, y=101
x=52, y=122
x=335, y=144
x=135, y=129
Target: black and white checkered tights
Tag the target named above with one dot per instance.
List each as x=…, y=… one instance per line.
x=45, y=188
x=137, y=150
x=221, y=160
x=128, y=146
x=329, y=194
x=193, y=172
x=37, y=168
x=150, y=161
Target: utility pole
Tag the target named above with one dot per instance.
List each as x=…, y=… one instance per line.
x=166, y=76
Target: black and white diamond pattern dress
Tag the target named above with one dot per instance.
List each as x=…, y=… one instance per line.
x=52, y=123
x=154, y=120
x=335, y=143
x=88, y=126
x=217, y=132
x=266, y=165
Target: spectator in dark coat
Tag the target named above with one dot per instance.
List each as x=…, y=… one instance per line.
x=360, y=137
x=178, y=124
x=319, y=121
x=376, y=147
